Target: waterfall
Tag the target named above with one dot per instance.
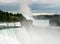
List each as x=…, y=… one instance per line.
x=30, y=34
x=14, y=36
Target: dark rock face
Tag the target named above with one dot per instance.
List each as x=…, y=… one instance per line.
x=55, y=21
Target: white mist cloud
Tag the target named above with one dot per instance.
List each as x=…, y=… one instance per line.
x=25, y=9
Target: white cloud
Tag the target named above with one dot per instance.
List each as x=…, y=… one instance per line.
x=47, y=1
x=36, y=1
x=14, y=1
x=8, y=1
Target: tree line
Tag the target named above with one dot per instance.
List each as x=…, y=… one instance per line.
x=10, y=17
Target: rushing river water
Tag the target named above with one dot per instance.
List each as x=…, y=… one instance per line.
x=38, y=33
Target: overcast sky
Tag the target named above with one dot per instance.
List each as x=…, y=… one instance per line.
x=36, y=5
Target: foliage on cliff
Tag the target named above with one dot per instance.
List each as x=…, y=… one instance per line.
x=10, y=17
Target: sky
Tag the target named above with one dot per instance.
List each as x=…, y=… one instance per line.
x=37, y=6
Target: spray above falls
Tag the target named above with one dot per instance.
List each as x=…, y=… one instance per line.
x=25, y=10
